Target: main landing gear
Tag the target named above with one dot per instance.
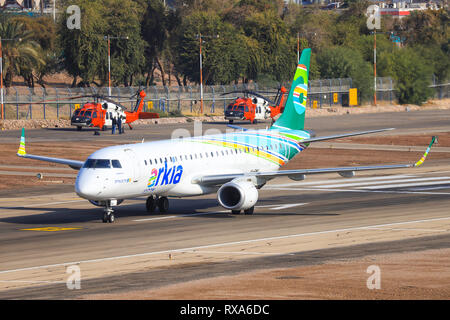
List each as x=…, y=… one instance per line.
x=161, y=202
x=247, y=211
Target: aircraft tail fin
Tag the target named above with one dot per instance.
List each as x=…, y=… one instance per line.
x=293, y=116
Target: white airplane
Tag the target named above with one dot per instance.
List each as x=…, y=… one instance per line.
x=235, y=165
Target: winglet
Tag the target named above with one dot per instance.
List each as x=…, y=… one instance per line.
x=422, y=160
x=21, y=152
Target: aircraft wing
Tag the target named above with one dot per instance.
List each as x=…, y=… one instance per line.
x=74, y=164
x=299, y=174
x=345, y=135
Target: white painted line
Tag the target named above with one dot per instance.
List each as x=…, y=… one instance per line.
x=406, y=185
x=218, y=245
x=286, y=206
x=360, y=190
x=242, y=253
x=408, y=229
x=42, y=204
x=320, y=182
x=428, y=188
x=179, y=216
x=33, y=282
x=281, y=207
x=383, y=182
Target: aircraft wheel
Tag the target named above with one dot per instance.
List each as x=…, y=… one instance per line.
x=254, y=121
x=79, y=128
x=250, y=210
x=163, y=204
x=235, y=211
x=104, y=128
x=111, y=218
x=151, y=204
x=105, y=217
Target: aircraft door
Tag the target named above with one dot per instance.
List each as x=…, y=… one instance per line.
x=135, y=165
x=259, y=113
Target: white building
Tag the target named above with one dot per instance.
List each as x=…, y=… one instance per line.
x=33, y=5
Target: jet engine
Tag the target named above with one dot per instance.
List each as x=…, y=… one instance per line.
x=237, y=195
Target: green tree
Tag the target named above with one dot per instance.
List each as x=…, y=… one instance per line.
x=84, y=49
x=279, y=48
x=44, y=32
x=342, y=62
x=412, y=76
x=122, y=19
x=22, y=56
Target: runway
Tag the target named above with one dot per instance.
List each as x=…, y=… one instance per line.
x=44, y=233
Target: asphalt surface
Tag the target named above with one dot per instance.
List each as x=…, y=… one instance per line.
x=294, y=224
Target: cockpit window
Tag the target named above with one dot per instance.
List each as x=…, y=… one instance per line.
x=116, y=163
x=97, y=163
x=77, y=112
x=88, y=113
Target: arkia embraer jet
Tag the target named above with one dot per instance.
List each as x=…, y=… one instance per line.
x=235, y=165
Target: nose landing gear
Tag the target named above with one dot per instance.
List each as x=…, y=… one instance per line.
x=108, y=213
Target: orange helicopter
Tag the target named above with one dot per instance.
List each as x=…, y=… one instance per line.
x=100, y=114
x=253, y=106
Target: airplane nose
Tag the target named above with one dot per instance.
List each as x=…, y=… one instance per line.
x=87, y=187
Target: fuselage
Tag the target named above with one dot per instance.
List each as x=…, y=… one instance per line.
x=168, y=167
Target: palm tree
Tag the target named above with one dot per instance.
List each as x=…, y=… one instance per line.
x=21, y=56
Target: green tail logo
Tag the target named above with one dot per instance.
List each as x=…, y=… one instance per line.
x=293, y=117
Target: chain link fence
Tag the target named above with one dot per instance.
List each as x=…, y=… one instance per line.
x=59, y=103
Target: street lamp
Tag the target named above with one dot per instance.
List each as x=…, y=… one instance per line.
x=1, y=73
x=200, y=36
x=109, y=38
x=303, y=34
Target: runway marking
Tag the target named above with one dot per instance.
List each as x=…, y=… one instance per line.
x=281, y=207
x=428, y=188
x=277, y=207
x=43, y=204
x=52, y=229
x=402, y=185
x=383, y=182
x=218, y=245
x=242, y=252
x=360, y=190
x=178, y=216
x=320, y=182
x=409, y=229
x=33, y=282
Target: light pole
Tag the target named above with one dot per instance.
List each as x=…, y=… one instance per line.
x=1, y=74
x=200, y=36
x=375, y=67
x=108, y=38
x=303, y=34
